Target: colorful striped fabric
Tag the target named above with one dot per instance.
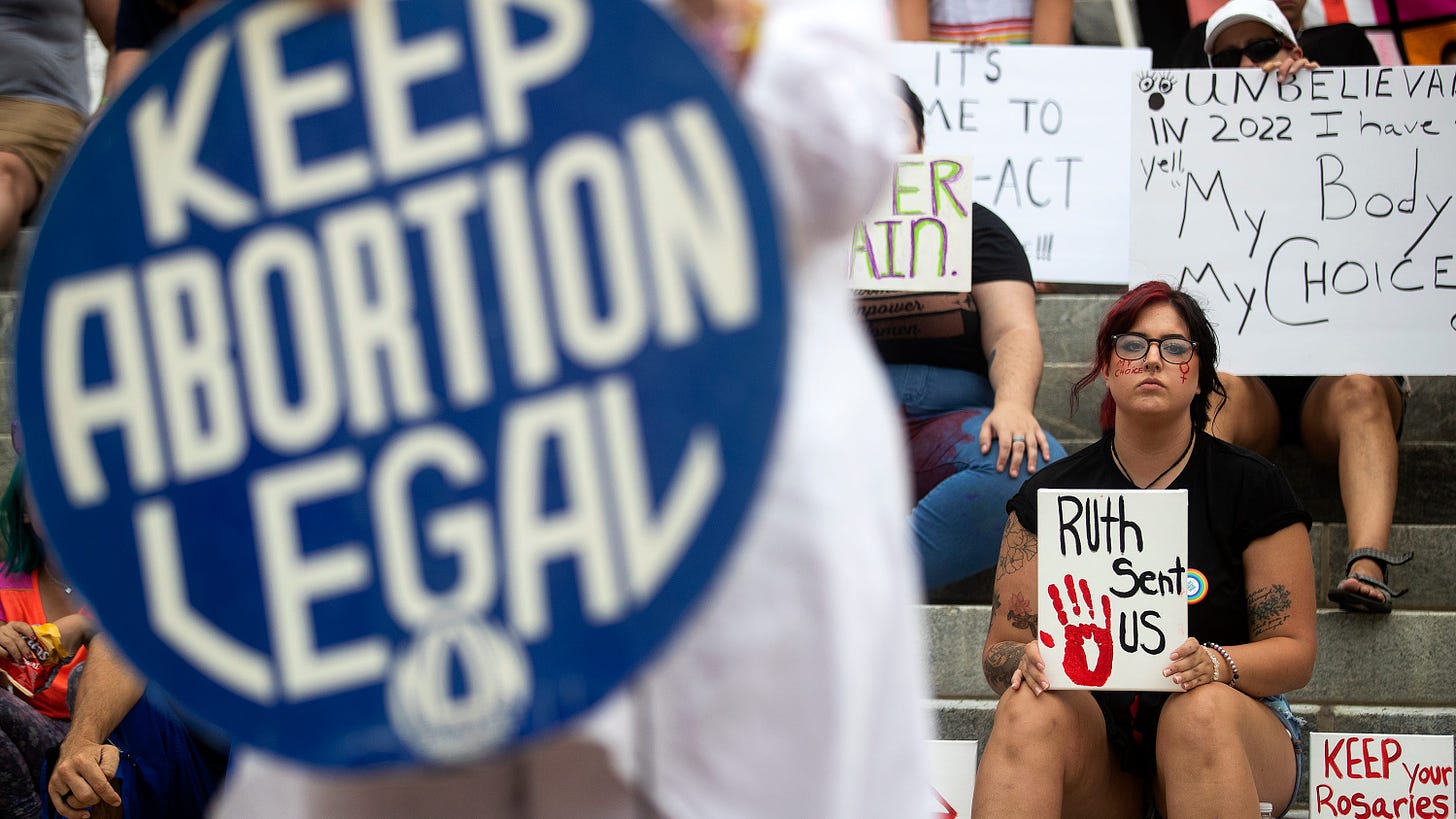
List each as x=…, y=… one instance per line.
x=981, y=21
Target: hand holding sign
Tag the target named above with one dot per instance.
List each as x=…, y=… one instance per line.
x=1192, y=665
x=1077, y=635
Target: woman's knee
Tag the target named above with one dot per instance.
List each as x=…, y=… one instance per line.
x=1048, y=724
x=1201, y=721
x=1361, y=397
x=1246, y=415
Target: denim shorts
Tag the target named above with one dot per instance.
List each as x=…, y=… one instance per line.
x=1294, y=725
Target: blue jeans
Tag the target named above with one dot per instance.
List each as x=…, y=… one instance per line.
x=961, y=508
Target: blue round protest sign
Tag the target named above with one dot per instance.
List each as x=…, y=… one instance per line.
x=393, y=382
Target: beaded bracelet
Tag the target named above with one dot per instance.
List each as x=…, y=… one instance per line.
x=1233, y=667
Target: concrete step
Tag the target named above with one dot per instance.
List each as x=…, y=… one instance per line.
x=1372, y=675
x=1426, y=494
x=972, y=720
x=1430, y=577
x=1402, y=660
x=1068, y=325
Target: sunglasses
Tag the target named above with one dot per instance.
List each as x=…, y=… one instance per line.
x=1258, y=52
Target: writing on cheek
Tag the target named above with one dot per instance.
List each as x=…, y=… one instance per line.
x=1127, y=369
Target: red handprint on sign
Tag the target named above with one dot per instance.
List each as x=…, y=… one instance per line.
x=1074, y=652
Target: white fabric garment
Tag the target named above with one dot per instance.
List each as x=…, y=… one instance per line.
x=798, y=687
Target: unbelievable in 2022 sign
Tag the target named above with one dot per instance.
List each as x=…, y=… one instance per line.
x=393, y=381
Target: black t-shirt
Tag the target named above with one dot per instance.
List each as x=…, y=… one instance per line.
x=944, y=329
x=1339, y=45
x=1234, y=498
x=140, y=22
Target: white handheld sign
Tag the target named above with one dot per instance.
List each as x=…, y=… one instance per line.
x=1357, y=776
x=1112, y=586
x=1316, y=219
x=1043, y=123
x=919, y=236
x=952, y=778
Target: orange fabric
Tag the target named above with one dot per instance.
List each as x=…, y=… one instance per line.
x=1335, y=12
x=23, y=604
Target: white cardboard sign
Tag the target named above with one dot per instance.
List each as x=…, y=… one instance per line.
x=1043, y=123
x=1315, y=219
x=1111, y=586
x=919, y=235
x=952, y=778
x=1373, y=775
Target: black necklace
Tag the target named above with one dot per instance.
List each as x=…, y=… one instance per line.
x=1193, y=436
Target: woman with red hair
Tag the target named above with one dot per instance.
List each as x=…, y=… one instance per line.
x=1228, y=740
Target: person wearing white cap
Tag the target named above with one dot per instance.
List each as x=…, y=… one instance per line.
x=1342, y=44
x=1350, y=421
x=1253, y=33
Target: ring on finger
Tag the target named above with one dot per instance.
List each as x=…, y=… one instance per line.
x=1212, y=659
x=1018, y=439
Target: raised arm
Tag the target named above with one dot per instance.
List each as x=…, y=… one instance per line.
x=912, y=19
x=1011, y=653
x=1051, y=22
x=102, y=16
x=1012, y=341
x=1279, y=583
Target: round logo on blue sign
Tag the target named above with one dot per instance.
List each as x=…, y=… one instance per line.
x=393, y=382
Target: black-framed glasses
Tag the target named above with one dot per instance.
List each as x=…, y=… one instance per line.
x=1172, y=349
x=1258, y=52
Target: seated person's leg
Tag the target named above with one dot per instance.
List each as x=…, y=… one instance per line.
x=958, y=520
x=18, y=191
x=1220, y=748
x=1049, y=755
x=1248, y=417
x=1351, y=421
x=25, y=737
x=34, y=140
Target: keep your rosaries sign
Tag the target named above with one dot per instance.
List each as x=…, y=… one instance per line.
x=394, y=381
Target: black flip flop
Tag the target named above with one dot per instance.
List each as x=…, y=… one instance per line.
x=1353, y=600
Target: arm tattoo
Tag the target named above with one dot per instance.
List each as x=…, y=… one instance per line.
x=1018, y=546
x=1020, y=614
x=1268, y=609
x=995, y=603
x=1000, y=662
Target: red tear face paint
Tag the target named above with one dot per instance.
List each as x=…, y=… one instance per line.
x=1183, y=368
